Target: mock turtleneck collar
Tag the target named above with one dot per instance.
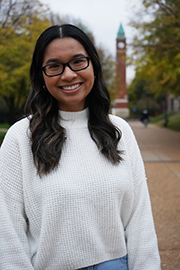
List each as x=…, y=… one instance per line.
x=74, y=119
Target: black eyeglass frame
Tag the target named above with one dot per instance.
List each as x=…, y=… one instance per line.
x=66, y=65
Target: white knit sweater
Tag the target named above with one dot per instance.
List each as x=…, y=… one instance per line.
x=85, y=212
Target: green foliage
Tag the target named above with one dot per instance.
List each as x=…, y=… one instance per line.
x=4, y=113
x=160, y=117
x=4, y=126
x=141, y=98
x=2, y=134
x=173, y=121
x=156, y=46
x=1, y=137
x=20, y=25
x=109, y=71
x=15, y=54
x=3, y=129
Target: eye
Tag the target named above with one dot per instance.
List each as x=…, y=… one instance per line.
x=53, y=66
x=79, y=61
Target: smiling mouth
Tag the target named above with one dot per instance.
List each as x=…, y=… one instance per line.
x=70, y=88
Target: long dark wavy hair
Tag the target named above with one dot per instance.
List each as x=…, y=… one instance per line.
x=47, y=134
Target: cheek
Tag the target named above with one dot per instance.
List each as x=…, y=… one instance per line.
x=91, y=78
x=49, y=81
x=45, y=80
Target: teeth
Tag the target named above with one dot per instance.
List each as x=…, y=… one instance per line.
x=71, y=87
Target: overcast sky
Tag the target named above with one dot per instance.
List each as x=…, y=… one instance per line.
x=102, y=17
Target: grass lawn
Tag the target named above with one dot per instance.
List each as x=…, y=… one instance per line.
x=4, y=126
x=173, y=123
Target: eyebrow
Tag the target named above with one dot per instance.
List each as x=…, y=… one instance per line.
x=52, y=60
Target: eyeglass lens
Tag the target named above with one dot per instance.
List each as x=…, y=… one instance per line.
x=75, y=65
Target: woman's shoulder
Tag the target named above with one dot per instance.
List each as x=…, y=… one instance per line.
x=16, y=138
x=18, y=129
x=119, y=122
x=124, y=127
x=20, y=125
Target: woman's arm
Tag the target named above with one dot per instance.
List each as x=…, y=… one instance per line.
x=140, y=231
x=14, y=248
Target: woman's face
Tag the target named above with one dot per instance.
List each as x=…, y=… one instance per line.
x=71, y=88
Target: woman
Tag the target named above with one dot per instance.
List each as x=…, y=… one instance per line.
x=73, y=186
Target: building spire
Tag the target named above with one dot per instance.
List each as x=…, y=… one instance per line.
x=121, y=33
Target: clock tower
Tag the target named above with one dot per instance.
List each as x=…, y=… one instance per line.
x=121, y=103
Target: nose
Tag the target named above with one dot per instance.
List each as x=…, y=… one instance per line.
x=68, y=74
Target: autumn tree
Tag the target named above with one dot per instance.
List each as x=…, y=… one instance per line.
x=140, y=98
x=156, y=51
x=109, y=70
x=16, y=13
x=20, y=25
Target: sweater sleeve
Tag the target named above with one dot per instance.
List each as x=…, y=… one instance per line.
x=14, y=248
x=140, y=231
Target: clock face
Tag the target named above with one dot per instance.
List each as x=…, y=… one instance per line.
x=121, y=45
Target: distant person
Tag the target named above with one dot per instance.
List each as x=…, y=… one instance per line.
x=73, y=191
x=144, y=117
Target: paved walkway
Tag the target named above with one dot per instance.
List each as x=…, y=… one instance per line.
x=3, y=129
x=160, y=150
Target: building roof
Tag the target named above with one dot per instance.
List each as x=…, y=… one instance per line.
x=121, y=33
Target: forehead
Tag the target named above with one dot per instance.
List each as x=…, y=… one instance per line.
x=63, y=49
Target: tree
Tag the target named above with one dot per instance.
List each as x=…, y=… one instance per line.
x=108, y=70
x=156, y=46
x=15, y=54
x=142, y=99
x=16, y=13
x=18, y=35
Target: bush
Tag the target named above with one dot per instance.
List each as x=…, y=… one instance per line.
x=161, y=117
x=4, y=113
x=1, y=137
x=173, y=120
x=2, y=133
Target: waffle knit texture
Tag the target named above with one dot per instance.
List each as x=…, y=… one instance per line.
x=85, y=212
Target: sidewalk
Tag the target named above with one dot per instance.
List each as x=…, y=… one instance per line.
x=3, y=129
x=160, y=150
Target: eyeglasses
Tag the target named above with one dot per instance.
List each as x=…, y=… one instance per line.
x=55, y=69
